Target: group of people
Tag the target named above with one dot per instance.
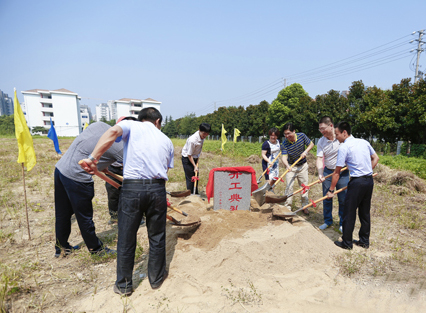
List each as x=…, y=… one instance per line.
x=336, y=149
x=143, y=155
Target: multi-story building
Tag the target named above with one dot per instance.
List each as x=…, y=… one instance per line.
x=103, y=112
x=6, y=104
x=132, y=107
x=112, y=109
x=62, y=105
x=85, y=114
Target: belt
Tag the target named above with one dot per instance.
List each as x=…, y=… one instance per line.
x=365, y=176
x=144, y=181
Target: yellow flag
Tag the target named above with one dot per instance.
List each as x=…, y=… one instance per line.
x=236, y=134
x=85, y=126
x=224, y=140
x=25, y=141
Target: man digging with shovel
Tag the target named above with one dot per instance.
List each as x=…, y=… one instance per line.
x=148, y=154
x=360, y=159
x=190, y=154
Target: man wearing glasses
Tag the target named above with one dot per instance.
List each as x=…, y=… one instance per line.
x=327, y=149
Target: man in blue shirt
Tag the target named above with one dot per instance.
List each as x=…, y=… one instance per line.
x=361, y=159
x=148, y=154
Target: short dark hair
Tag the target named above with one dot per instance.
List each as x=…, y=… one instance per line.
x=344, y=126
x=150, y=115
x=204, y=127
x=275, y=131
x=129, y=118
x=289, y=126
x=325, y=120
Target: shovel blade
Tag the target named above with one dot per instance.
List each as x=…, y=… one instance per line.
x=275, y=199
x=180, y=194
x=259, y=194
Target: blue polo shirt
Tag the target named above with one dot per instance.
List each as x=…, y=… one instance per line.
x=148, y=153
x=294, y=149
x=356, y=154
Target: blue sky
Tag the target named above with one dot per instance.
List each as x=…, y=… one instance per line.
x=189, y=54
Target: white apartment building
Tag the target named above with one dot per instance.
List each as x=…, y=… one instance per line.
x=85, y=114
x=132, y=107
x=62, y=105
x=103, y=112
x=112, y=109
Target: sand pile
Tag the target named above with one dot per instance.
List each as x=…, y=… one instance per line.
x=246, y=261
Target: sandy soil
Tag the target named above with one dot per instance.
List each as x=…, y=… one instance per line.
x=250, y=262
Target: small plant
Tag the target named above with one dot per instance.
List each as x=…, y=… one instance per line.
x=351, y=263
x=242, y=295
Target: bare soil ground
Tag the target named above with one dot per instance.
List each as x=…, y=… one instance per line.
x=232, y=262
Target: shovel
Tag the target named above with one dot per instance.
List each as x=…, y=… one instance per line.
x=116, y=185
x=101, y=175
x=278, y=199
x=116, y=176
x=179, y=194
x=196, y=178
x=270, y=165
x=292, y=214
x=259, y=194
x=172, y=193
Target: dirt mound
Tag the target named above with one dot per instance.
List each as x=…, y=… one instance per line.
x=400, y=179
x=254, y=159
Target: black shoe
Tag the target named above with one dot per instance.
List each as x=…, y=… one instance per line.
x=340, y=244
x=105, y=251
x=113, y=220
x=122, y=293
x=67, y=251
x=360, y=244
x=165, y=275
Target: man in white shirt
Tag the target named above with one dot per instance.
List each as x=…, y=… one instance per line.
x=148, y=154
x=191, y=152
x=360, y=158
x=327, y=149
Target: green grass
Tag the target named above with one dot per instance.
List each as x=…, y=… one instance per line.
x=415, y=165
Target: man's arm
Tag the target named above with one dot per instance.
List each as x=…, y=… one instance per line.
x=191, y=159
x=334, y=180
x=285, y=161
x=320, y=168
x=305, y=153
x=374, y=160
x=104, y=143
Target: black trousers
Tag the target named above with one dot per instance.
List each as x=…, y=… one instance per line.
x=358, y=196
x=72, y=197
x=188, y=168
x=138, y=199
x=113, y=193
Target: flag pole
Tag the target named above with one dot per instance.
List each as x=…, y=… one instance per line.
x=26, y=206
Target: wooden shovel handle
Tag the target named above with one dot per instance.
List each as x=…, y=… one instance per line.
x=196, y=175
x=286, y=172
x=116, y=176
x=325, y=197
x=270, y=165
x=177, y=210
x=102, y=176
x=317, y=181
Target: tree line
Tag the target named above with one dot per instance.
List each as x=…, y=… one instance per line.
x=387, y=115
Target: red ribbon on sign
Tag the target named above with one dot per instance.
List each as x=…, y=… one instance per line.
x=194, y=178
x=313, y=203
x=305, y=188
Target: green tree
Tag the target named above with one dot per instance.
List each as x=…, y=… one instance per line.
x=170, y=128
x=7, y=125
x=279, y=112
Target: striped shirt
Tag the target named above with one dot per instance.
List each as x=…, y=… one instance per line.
x=294, y=149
